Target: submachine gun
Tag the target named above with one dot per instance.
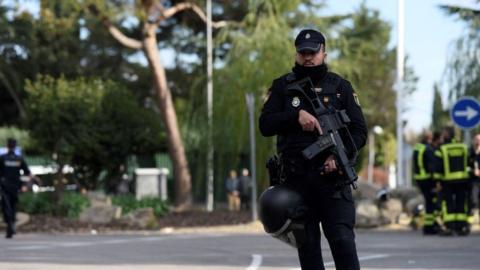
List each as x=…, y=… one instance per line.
x=331, y=121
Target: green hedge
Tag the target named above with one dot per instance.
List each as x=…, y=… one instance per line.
x=129, y=204
x=71, y=205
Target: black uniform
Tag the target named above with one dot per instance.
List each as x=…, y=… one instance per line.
x=474, y=185
x=10, y=166
x=332, y=206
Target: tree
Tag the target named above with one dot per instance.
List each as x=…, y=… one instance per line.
x=440, y=115
x=151, y=15
x=90, y=124
x=363, y=56
x=56, y=42
x=463, y=68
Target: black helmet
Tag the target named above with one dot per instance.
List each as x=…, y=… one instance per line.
x=282, y=213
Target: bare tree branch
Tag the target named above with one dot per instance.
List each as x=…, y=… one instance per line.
x=124, y=40
x=187, y=5
x=114, y=31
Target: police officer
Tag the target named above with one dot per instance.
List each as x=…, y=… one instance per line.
x=451, y=164
x=10, y=166
x=291, y=118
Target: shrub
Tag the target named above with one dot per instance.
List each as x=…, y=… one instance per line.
x=36, y=203
x=129, y=203
x=71, y=205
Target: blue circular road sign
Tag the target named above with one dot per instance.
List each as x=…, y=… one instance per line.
x=465, y=112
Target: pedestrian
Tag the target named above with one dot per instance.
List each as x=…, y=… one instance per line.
x=245, y=185
x=452, y=165
x=423, y=166
x=474, y=164
x=11, y=164
x=233, y=195
x=318, y=182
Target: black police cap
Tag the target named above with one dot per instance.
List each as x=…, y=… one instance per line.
x=309, y=40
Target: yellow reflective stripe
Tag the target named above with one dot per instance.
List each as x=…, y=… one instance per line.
x=421, y=151
x=456, y=176
x=422, y=174
x=449, y=217
x=429, y=216
x=470, y=219
x=454, y=149
x=443, y=210
x=428, y=219
x=461, y=217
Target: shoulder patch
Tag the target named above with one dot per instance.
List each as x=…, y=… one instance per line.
x=355, y=97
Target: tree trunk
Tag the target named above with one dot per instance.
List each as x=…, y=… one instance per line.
x=59, y=185
x=13, y=95
x=182, y=183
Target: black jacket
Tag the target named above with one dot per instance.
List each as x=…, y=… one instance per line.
x=280, y=114
x=10, y=166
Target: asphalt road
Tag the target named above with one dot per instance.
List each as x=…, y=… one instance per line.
x=201, y=251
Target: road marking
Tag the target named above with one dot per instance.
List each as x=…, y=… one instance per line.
x=361, y=259
x=256, y=262
x=373, y=257
x=95, y=242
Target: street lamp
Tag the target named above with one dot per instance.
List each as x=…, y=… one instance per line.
x=378, y=130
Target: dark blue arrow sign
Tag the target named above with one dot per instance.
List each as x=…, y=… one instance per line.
x=465, y=112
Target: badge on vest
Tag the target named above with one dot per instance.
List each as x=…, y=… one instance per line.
x=295, y=102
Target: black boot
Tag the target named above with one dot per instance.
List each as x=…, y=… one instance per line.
x=10, y=231
x=429, y=230
x=463, y=228
x=449, y=229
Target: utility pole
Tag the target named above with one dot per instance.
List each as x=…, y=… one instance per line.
x=399, y=87
x=250, y=98
x=210, y=109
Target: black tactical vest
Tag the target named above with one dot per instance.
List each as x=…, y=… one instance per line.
x=328, y=91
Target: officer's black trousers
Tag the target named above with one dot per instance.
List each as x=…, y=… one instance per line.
x=9, y=206
x=335, y=210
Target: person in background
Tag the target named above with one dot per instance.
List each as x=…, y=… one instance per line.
x=245, y=185
x=11, y=166
x=233, y=195
x=423, y=164
x=474, y=164
x=452, y=165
